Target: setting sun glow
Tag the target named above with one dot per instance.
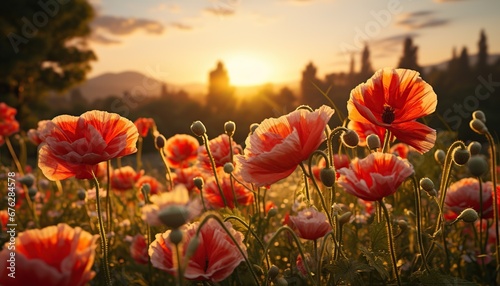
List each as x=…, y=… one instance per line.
x=247, y=70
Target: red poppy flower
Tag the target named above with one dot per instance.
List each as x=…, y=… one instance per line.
x=185, y=177
x=363, y=129
x=181, y=150
x=464, y=194
x=339, y=161
x=55, y=255
x=376, y=176
x=143, y=125
x=73, y=146
x=279, y=145
x=394, y=99
x=124, y=178
x=400, y=150
x=215, y=258
x=219, y=147
x=310, y=224
x=211, y=193
x=34, y=134
x=154, y=185
x=8, y=122
x=139, y=249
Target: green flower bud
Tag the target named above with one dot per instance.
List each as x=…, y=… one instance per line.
x=229, y=128
x=474, y=148
x=350, y=138
x=439, y=156
x=373, y=141
x=468, y=215
x=198, y=128
x=228, y=168
x=160, y=142
x=273, y=272
x=81, y=194
x=173, y=216
x=253, y=127
x=344, y=218
x=426, y=184
x=478, y=126
x=478, y=114
x=461, y=156
x=477, y=165
x=272, y=212
x=192, y=246
x=175, y=236
x=198, y=182
x=32, y=192
x=27, y=180
x=327, y=176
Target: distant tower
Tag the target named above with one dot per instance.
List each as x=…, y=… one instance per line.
x=220, y=94
x=482, y=54
x=163, y=91
x=310, y=94
x=366, y=65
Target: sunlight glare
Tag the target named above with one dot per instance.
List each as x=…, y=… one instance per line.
x=247, y=70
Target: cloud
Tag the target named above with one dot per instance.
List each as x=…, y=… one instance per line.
x=125, y=26
x=420, y=20
x=181, y=26
x=220, y=11
x=101, y=39
x=447, y=1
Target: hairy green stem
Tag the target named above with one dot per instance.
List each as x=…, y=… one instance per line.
x=102, y=233
x=214, y=169
x=390, y=241
x=418, y=215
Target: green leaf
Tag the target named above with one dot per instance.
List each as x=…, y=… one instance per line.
x=378, y=236
x=348, y=271
x=435, y=278
x=376, y=261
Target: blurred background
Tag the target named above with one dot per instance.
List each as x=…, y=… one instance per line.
x=181, y=61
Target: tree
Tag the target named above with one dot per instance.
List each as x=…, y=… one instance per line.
x=482, y=54
x=409, y=58
x=44, y=49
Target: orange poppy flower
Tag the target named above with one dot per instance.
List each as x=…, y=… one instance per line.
x=8, y=122
x=124, y=178
x=279, y=145
x=212, y=196
x=215, y=258
x=310, y=224
x=143, y=125
x=376, y=176
x=394, y=99
x=181, y=150
x=219, y=147
x=464, y=194
x=139, y=249
x=73, y=146
x=55, y=255
x=363, y=129
x=185, y=176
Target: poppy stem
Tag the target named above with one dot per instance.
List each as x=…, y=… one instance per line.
x=14, y=156
x=390, y=240
x=139, y=154
x=148, y=237
x=214, y=168
x=387, y=141
x=167, y=168
x=102, y=233
x=418, y=216
x=306, y=184
x=493, y=166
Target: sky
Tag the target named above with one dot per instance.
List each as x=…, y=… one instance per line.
x=262, y=41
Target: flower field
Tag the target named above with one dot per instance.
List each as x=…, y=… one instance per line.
x=383, y=199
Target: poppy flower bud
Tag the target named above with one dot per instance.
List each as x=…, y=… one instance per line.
x=173, y=216
x=192, y=246
x=27, y=180
x=253, y=127
x=477, y=166
x=160, y=142
x=175, y=236
x=426, y=184
x=344, y=218
x=81, y=194
x=439, y=156
x=198, y=128
x=468, y=215
x=327, y=176
x=461, y=156
x=350, y=138
x=403, y=225
x=478, y=126
x=373, y=141
x=273, y=272
x=272, y=212
x=229, y=128
x=32, y=192
x=478, y=114
x=474, y=148
x=228, y=168
x=281, y=282
x=198, y=182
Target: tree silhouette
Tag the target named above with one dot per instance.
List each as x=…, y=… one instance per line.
x=309, y=86
x=482, y=55
x=43, y=49
x=409, y=58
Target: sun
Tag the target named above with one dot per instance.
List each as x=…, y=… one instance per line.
x=247, y=69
